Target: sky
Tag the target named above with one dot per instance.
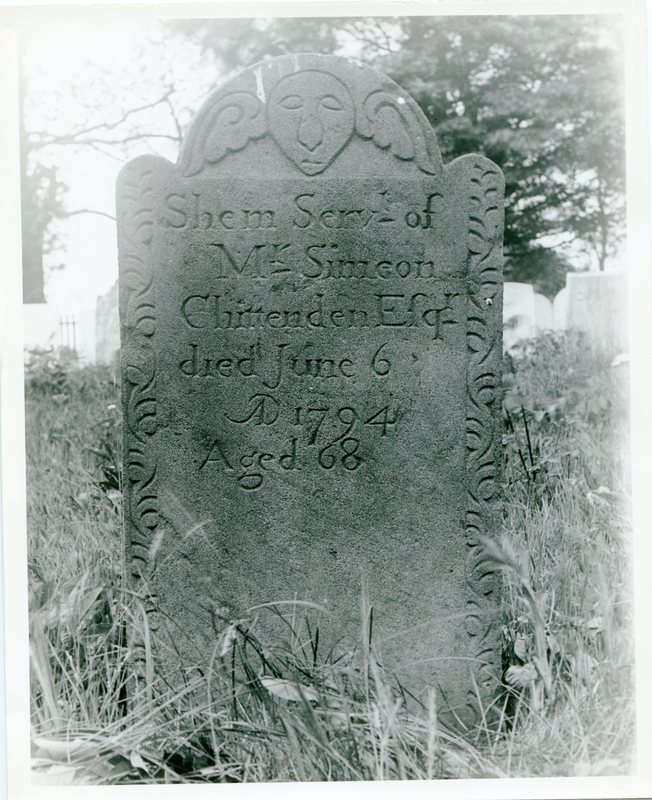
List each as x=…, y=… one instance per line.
x=80, y=77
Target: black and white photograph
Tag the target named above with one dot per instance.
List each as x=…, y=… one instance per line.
x=325, y=352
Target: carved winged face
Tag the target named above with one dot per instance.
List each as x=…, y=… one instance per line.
x=311, y=116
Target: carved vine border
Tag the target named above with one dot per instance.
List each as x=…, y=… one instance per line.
x=484, y=327
x=136, y=193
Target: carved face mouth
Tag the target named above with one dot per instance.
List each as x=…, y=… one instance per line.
x=311, y=118
x=313, y=167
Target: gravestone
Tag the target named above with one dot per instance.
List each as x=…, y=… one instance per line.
x=311, y=311
x=518, y=313
x=107, y=327
x=560, y=309
x=597, y=305
x=543, y=319
x=85, y=331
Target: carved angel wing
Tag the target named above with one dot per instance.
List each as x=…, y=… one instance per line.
x=392, y=122
x=228, y=124
x=486, y=219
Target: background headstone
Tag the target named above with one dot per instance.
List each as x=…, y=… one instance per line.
x=518, y=313
x=597, y=305
x=560, y=310
x=311, y=315
x=85, y=335
x=543, y=319
x=107, y=327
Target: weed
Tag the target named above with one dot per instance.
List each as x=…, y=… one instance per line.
x=289, y=709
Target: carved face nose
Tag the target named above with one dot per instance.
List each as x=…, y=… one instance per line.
x=311, y=132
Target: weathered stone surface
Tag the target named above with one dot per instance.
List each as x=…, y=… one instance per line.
x=311, y=314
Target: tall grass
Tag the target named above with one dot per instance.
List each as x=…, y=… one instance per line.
x=287, y=710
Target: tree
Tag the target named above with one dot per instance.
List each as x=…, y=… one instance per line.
x=43, y=192
x=105, y=117
x=540, y=96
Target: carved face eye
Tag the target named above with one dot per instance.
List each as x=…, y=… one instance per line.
x=292, y=101
x=331, y=102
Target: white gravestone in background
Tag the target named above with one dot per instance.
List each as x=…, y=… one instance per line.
x=592, y=302
x=85, y=335
x=542, y=313
x=518, y=313
x=107, y=327
x=560, y=310
x=597, y=305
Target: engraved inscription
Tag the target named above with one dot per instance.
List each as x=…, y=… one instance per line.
x=195, y=211
x=183, y=210
x=249, y=469
x=309, y=215
x=431, y=311
x=328, y=437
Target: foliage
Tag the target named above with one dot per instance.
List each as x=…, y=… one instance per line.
x=540, y=96
x=566, y=547
x=557, y=402
x=289, y=709
x=239, y=43
x=543, y=267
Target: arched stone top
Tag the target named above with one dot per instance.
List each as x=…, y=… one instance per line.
x=311, y=109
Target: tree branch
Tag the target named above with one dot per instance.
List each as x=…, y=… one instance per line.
x=68, y=140
x=76, y=211
x=355, y=32
x=105, y=152
x=104, y=126
x=175, y=118
x=571, y=237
